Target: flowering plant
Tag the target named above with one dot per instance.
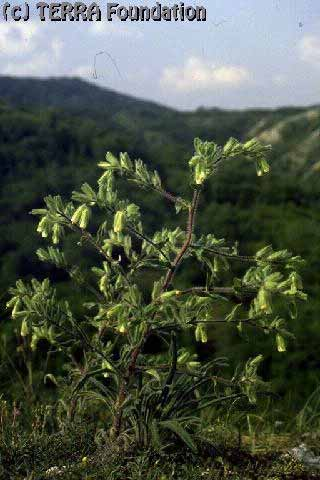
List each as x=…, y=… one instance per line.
x=152, y=395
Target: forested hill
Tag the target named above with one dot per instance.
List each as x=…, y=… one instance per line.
x=54, y=131
x=71, y=93
x=285, y=127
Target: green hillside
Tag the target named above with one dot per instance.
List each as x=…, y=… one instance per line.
x=53, y=132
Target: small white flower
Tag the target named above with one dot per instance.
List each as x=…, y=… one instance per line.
x=55, y=471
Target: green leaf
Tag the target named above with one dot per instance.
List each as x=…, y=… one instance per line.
x=197, y=144
x=111, y=161
x=232, y=315
x=51, y=377
x=154, y=374
x=157, y=286
x=264, y=252
x=178, y=429
x=39, y=211
x=155, y=436
x=167, y=295
x=232, y=147
x=114, y=310
x=125, y=161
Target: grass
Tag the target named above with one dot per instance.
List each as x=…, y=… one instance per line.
x=78, y=451
x=40, y=443
x=39, y=462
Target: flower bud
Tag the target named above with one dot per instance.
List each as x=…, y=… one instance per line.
x=281, y=344
x=200, y=173
x=85, y=217
x=119, y=221
x=264, y=301
x=201, y=333
x=56, y=233
x=16, y=308
x=75, y=219
x=103, y=283
x=24, y=328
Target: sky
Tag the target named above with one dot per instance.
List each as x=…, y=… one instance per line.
x=248, y=54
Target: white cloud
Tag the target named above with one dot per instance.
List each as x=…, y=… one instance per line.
x=280, y=80
x=82, y=71
x=114, y=28
x=197, y=74
x=309, y=49
x=36, y=65
x=28, y=49
x=57, y=48
x=18, y=38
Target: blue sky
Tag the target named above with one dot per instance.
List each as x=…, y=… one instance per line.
x=249, y=53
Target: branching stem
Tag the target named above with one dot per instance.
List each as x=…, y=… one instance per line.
x=131, y=370
x=190, y=227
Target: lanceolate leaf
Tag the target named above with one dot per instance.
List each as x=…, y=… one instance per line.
x=178, y=429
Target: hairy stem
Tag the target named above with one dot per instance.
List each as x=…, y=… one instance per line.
x=131, y=370
x=190, y=227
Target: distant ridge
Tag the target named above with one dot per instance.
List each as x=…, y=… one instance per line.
x=293, y=131
x=76, y=94
x=70, y=93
